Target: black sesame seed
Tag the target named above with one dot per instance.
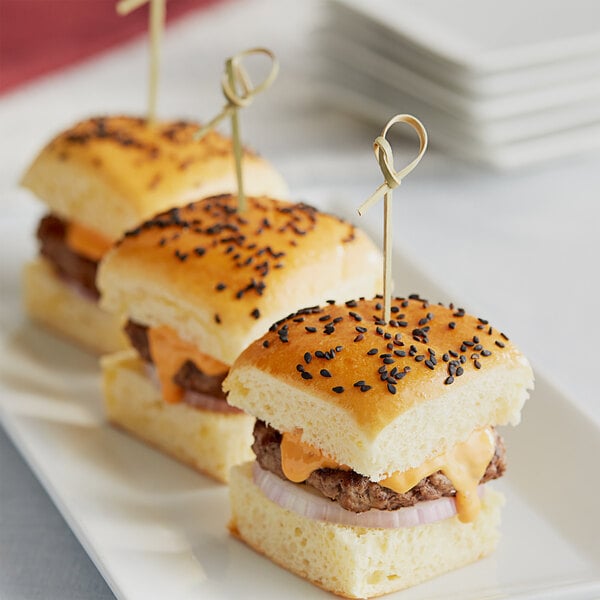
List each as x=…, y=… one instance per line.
x=459, y=371
x=500, y=344
x=452, y=324
x=430, y=364
x=504, y=336
x=266, y=344
x=307, y=357
x=361, y=329
x=391, y=388
x=449, y=380
x=372, y=351
x=388, y=361
x=399, y=353
x=338, y=389
x=351, y=303
x=359, y=338
x=359, y=383
x=463, y=359
x=402, y=323
x=255, y=313
x=420, y=357
x=311, y=329
x=339, y=348
x=379, y=330
x=477, y=364
x=325, y=373
x=325, y=318
x=217, y=318
x=299, y=368
x=394, y=309
x=306, y=375
x=445, y=357
x=486, y=352
x=365, y=388
x=220, y=287
x=320, y=354
x=382, y=369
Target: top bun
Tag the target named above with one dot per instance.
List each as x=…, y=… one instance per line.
x=110, y=173
x=381, y=397
x=219, y=278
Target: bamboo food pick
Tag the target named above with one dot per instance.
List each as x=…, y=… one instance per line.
x=156, y=26
x=238, y=91
x=385, y=157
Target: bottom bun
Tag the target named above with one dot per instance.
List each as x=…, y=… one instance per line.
x=52, y=303
x=357, y=562
x=210, y=442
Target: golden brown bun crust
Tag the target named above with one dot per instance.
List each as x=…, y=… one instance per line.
x=220, y=278
x=110, y=173
x=435, y=349
x=381, y=398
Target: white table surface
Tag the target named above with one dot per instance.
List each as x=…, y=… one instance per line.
x=520, y=249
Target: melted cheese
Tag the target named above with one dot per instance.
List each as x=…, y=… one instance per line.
x=87, y=242
x=299, y=459
x=464, y=465
x=169, y=352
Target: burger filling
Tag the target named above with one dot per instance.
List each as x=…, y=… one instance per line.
x=69, y=265
x=357, y=493
x=184, y=374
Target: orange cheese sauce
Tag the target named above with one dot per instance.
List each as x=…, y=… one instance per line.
x=464, y=465
x=87, y=242
x=299, y=460
x=169, y=352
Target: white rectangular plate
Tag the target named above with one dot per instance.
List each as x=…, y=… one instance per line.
x=156, y=529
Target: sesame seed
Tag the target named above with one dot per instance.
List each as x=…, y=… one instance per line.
x=382, y=369
x=420, y=357
x=325, y=373
x=320, y=354
x=299, y=368
x=486, y=352
x=391, y=388
x=365, y=388
x=351, y=304
x=430, y=364
x=500, y=344
x=452, y=324
x=220, y=287
x=388, y=361
x=459, y=371
x=306, y=375
x=339, y=348
x=372, y=351
x=307, y=357
x=449, y=380
x=359, y=338
x=359, y=383
x=217, y=318
x=255, y=313
x=361, y=329
x=504, y=336
x=399, y=353
x=325, y=318
x=266, y=344
x=338, y=389
x=311, y=329
x=477, y=364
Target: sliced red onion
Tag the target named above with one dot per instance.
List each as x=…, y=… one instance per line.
x=309, y=503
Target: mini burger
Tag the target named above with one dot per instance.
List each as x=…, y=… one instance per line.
x=197, y=285
x=374, y=442
x=101, y=178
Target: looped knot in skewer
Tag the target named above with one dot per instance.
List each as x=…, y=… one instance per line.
x=392, y=179
x=237, y=86
x=385, y=158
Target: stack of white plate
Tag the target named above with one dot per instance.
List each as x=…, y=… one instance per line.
x=506, y=83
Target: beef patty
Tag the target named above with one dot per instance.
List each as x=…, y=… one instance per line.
x=52, y=234
x=356, y=492
x=189, y=376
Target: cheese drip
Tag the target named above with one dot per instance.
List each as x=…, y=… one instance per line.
x=464, y=465
x=169, y=352
x=87, y=242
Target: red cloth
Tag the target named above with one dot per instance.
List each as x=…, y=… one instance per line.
x=39, y=36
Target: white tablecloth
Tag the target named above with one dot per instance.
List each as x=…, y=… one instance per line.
x=519, y=249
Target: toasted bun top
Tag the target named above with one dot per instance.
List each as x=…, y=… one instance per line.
x=220, y=278
x=381, y=396
x=110, y=173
